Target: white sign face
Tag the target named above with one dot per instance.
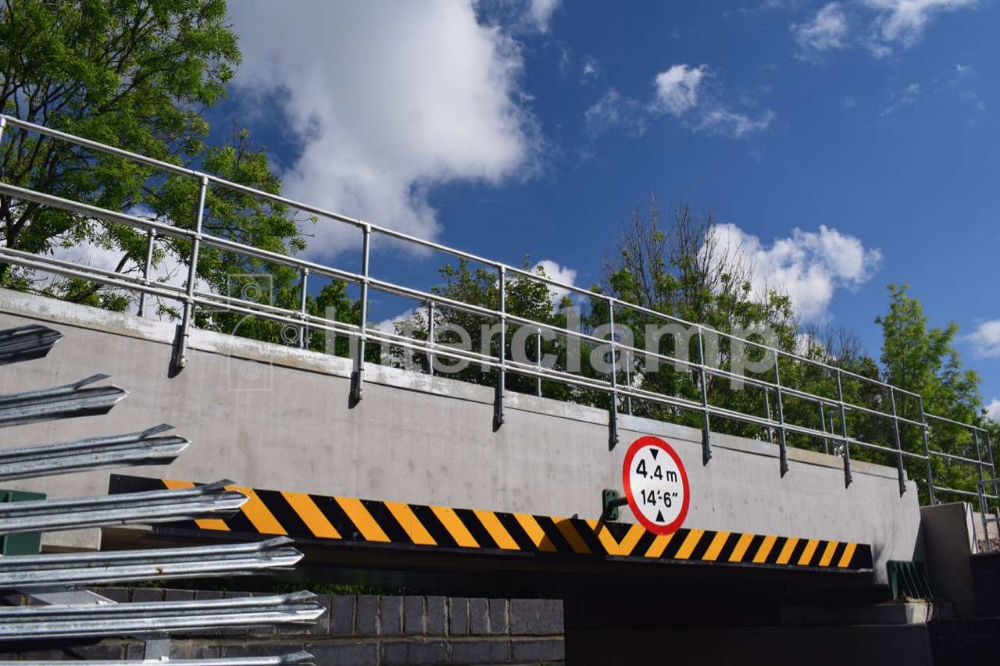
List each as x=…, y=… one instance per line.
x=656, y=485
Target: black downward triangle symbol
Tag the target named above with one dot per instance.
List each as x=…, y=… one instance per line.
x=659, y=516
x=654, y=452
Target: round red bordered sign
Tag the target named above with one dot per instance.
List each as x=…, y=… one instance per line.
x=656, y=485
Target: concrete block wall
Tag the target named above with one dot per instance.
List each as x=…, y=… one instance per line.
x=359, y=630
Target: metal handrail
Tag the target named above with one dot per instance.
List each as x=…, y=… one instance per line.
x=193, y=298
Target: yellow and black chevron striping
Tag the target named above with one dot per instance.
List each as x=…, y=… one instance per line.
x=347, y=519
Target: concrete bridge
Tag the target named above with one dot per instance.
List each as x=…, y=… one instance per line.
x=433, y=484
x=425, y=440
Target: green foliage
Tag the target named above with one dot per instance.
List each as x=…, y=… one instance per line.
x=138, y=75
x=924, y=360
x=680, y=269
x=525, y=298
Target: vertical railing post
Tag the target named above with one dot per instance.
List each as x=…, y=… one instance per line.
x=993, y=469
x=980, y=492
x=899, y=442
x=706, y=443
x=538, y=361
x=628, y=379
x=613, y=411
x=430, y=337
x=822, y=425
x=979, y=486
x=927, y=451
x=180, y=350
x=146, y=267
x=304, y=329
x=359, y=358
x=3, y=126
x=843, y=430
x=498, y=400
x=782, y=444
x=767, y=412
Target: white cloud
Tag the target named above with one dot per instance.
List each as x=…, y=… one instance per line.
x=538, y=14
x=388, y=99
x=677, y=91
x=904, y=21
x=389, y=325
x=906, y=96
x=827, y=30
x=986, y=339
x=809, y=266
x=807, y=344
x=993, y=410
x=734, y=125
x=562, y=274
x=677, y=88
x=849, y=102
x=879, y=51
x=613, y=111
x=590, y=70
x=171, y=270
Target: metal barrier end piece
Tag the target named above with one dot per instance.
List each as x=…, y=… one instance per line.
x=155, y=430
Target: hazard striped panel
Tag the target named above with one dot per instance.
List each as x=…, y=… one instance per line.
x=347, y=519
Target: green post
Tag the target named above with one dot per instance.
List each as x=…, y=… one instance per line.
x=29, y=543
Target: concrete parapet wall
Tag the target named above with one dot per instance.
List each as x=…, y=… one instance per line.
x=420, y=439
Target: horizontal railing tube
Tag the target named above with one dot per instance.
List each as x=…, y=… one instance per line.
x=192, y=298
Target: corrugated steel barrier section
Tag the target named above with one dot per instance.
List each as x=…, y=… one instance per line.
x=139, y=448
x=65, y=611
x=296, y=658
x=26, y=342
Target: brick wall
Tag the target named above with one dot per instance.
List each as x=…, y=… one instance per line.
x=361, y=631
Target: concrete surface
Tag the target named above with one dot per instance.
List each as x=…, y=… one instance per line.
x=277, y=417
x=773, y=646
x=947, y=532
x=892, y=613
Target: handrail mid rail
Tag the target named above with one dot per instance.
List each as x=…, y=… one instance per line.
x=621, y=394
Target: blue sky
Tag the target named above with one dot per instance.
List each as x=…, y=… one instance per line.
x=846, y=145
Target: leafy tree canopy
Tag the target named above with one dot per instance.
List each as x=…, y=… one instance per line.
x=138, y=75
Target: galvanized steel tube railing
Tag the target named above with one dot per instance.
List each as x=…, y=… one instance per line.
x=775, y=391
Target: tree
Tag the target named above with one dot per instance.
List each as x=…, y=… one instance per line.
x=683, y=269
x=524, y=297
x=136, y=74
x=924, y=360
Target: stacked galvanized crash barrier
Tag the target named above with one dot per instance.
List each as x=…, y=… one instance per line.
x=62, y=608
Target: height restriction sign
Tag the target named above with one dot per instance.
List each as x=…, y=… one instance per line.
x=656, y=485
